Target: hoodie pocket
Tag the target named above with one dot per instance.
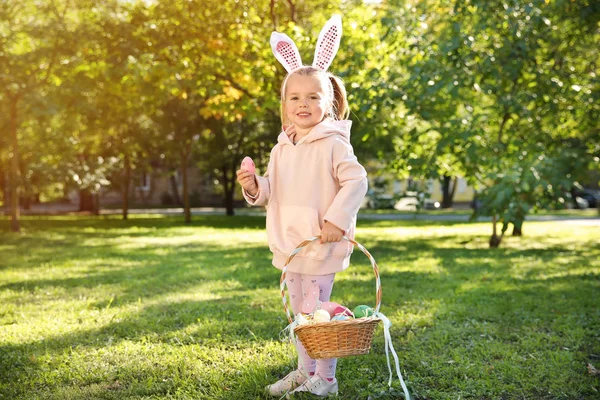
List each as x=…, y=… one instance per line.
x=289, y=225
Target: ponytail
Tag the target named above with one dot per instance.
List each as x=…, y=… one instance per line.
x=341, y=110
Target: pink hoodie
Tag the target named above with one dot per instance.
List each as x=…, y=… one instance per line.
x=319, y=179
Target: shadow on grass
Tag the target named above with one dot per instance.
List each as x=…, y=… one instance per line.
x=498, y=310
x=180, y=323
x=147, y=274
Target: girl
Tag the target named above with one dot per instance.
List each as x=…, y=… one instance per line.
x=314, y=185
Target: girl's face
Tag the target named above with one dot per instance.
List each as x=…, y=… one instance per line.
x=306, y=101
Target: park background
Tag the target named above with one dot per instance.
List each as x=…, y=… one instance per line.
x=101, y=101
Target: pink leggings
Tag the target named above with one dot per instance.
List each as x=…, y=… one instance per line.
x=298, y=286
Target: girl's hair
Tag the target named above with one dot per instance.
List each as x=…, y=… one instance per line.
x=331, y=83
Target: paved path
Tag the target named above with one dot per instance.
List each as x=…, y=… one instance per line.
x=69, y=208
x=366, y=216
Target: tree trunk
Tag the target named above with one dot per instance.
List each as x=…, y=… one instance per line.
x=175, y=191
x=14, y=179
x=96, y=199
x=453, y=192
x=126, y=182
x=86, y=201
x=517, y=228
x=186, y=197
x=495, y=239
x=448, y=190
x=26, y=203
x=228, y=185
x=26, y=200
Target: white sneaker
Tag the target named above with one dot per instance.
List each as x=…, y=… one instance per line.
x=290, y=382
x=318, y=386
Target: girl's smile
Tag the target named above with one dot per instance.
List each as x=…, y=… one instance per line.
x=306, y=103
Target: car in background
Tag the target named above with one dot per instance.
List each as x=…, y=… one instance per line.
x=409, y=202
x=591, y=196
x=412, y=203
x=379, y=201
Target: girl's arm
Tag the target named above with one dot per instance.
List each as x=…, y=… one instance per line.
x=261, y=198
x=264, y=191
x=352, y=178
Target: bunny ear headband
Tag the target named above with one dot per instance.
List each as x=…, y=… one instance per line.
x=287, y=53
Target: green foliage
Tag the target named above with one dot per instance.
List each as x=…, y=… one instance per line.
x=152, y=308
x=500, y=90
x=537, y=182
x=436, y=88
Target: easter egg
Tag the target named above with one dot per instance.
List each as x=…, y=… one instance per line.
x=311, y=299
x=321, y=316
x=363, y=311
x=341, y=310
x=330, y=307
x=248, y=165
x=340, y=317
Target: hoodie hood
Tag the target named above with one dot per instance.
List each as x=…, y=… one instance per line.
x=326, y=128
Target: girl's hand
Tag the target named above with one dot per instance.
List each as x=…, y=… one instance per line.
x=331, y=233
x=248, y=181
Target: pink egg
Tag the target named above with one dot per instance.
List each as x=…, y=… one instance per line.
x=341, y=310
x=248, y=165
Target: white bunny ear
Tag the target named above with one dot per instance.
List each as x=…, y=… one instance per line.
x=285, y=51
x=328, y=43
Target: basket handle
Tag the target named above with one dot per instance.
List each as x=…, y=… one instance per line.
x=307, y=242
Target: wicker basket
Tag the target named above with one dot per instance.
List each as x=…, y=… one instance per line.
x=335, y=339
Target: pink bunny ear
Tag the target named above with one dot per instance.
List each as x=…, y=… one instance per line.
x=285, y=51
x=328, y=43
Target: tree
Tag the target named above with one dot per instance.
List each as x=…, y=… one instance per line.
x=502, y=84
x=119, y=111
x=34, y=41
x=240, y=95
x=183, y=41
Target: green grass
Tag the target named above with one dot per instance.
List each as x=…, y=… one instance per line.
x=392, y=211
x=587, y=213
x=151, y=308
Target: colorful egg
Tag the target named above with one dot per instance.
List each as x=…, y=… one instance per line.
x=248, y=165
x=363, y=311
x=343, y=311
x=341, y=317
x=330, y=307
x=321, y=316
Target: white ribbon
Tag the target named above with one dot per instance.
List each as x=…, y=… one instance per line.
x=388, y=345
x=287, y=334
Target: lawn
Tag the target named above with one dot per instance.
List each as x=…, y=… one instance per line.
x=151, y=308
